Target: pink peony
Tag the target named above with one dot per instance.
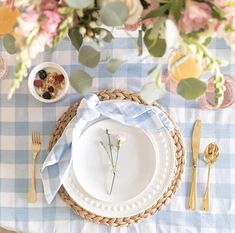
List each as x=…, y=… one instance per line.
x=50, y=22
x=50, y=5
x=195, y=17
x=219, y=3
x=29, y=16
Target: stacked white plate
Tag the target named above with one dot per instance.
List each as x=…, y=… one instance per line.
x=145, y=169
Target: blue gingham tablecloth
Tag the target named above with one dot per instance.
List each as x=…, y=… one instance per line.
x=23, y=114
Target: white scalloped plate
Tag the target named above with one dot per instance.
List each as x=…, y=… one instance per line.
x=145, y=170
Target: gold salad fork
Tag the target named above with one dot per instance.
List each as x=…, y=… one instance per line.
x=36, y=147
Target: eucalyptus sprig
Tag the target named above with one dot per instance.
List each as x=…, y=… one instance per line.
x=113, y=157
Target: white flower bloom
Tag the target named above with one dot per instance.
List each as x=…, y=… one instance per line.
x=82, y=30
x=135, y=9
x=103, y=34
x=92, y=24
x=121, y=138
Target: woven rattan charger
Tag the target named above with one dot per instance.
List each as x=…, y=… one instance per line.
x=180, y=162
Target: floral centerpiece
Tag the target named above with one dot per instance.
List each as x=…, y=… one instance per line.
x=188, y=25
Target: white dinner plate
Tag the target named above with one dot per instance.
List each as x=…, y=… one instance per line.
x=136, y=162
x=145, y=169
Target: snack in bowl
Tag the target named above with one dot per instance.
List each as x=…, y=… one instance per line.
x=48, y=82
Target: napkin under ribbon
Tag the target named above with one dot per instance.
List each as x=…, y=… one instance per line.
x=127, y=112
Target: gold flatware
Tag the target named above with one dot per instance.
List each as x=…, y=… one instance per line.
x=211, y=154
x=36, y=147
x=195, y=151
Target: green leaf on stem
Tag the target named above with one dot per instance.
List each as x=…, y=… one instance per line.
x=9, y=43
x=150, y=92
x=157, y=46
x=154, y=89
x=191, y=88
x=156, y=75
x=89, y=56
x=176, y=8
x=160, y=11
x=108, y=36
x=140, y=43
x=80, y=4
x=114, y=13
x=207, y=41
x=76, y=38
x=114, y=64
x=80, y=81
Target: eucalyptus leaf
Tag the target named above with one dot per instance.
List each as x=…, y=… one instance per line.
x=9, y=43
x=191, y=88
x=114, y=64
x=149, y=93
x=80, y=4
x=151, y=70
x=176, y=8
x=76, y=38
x=89, y=56
x=160, y=11
x=80, y=81
x=114, y=13
x=155, y=30
x=140, y=43
x=156, y=75
x=156, y=47
x=108, y=37
x=207, y=41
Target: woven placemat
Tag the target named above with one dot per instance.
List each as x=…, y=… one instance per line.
x=180, y=162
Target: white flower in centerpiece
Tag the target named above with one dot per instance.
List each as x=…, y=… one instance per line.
x=135, y=9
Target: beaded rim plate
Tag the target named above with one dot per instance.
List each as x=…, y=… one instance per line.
x=111, y=94
x=105, y=205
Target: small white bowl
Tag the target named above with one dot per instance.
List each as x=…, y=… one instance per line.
x=33, y=75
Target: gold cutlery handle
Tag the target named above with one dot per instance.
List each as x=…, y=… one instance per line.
x=205, y=201
x=32, y=197
x=193, y=191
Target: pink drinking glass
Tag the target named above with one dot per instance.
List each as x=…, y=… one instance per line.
x=207, y=100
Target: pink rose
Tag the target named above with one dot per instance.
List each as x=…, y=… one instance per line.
x=195, y=17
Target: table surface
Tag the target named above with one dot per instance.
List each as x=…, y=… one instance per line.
x=23, y=114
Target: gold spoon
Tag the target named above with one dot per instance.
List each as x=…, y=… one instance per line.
x=211, y=154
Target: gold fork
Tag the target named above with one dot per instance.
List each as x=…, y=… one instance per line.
x=36, y=147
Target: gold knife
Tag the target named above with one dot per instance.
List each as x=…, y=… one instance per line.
x=195, y=151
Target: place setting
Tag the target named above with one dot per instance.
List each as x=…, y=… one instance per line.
x=119, y=116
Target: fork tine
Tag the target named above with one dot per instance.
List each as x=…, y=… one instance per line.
x=33, y=137
x=38, y=137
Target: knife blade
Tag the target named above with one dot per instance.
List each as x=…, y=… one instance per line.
x=196, y=141
x=195, y=152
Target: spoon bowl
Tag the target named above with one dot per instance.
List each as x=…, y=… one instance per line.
x=211, y=153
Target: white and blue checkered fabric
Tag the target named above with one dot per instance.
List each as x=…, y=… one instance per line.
x=90, y=109
x=23, y=114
